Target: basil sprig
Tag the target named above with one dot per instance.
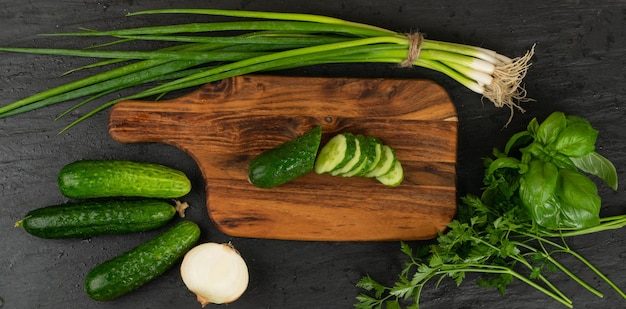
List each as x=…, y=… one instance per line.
x=555, y=157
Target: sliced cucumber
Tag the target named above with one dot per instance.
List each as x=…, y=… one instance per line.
x=350, y=150
x=353, y=161
x=378, y=154
x=394, y=177
x=368, y=150
x=374, y=154
x=385, y=164
x=336, y=153
x=350, y=155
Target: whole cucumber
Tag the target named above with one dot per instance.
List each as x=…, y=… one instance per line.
x=114, y=178
x=142, y=264
x=92, y=218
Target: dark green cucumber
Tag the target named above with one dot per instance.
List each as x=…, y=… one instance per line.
x=142, y=264
x=92, y=218
x=286, y=162
x=113, y=178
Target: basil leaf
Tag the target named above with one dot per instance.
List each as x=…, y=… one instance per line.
x=504, y=162
x=537, y=186
x=599, y=166
x=532, y=127
x=549, y=129
x=576, y=140
x=555, y=214
x=533, y=151
x=580, y=202
x=573, y=217
x=575, y=203
x=518, y=139
x=563, y=162
x=547, y=215
x=577, y=119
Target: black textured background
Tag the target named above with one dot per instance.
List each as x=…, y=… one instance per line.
x=579, y=68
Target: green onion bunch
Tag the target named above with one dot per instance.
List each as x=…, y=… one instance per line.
x=201, y=53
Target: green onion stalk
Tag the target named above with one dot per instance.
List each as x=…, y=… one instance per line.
x=201, y=53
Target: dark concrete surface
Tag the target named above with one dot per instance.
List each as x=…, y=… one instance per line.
x=579, y=68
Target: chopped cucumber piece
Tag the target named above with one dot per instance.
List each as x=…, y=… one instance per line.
x=394, y=177
x=374, y=157
x=368, y=152
x=385, y=164
x=354, y=161
x=332, y=154
x=350, y=151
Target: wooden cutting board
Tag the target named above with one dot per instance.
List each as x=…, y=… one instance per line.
x=223, y=125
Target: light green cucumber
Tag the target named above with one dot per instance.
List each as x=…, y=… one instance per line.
x=118, y=178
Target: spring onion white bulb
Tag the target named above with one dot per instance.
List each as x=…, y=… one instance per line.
x=216, y=273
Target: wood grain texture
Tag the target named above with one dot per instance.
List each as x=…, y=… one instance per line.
x=222, y=126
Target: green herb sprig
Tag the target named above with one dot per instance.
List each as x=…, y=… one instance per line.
x=514, y=230
x=206, y=52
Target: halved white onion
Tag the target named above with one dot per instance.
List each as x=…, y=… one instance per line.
x=216, y=273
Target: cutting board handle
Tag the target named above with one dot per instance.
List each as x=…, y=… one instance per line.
x=149, y=121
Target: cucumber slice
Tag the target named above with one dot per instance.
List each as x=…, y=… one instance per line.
x=385, y=164
x=352, y=162
x=394, y=177
x=350, y=150
x=332, y=154
x=375, y=155
x=368, y=152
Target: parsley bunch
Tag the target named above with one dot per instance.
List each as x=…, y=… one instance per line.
x=537, y=193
